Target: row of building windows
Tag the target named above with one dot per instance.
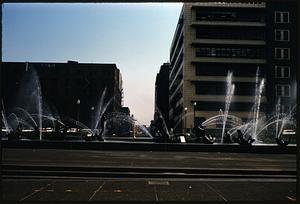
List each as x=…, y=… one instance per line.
x=239, y=70
x=279, y=16
x=229, y=16
x=216, y=106
x=279, y=34
x=236, y=34
x=241, y=88
x=280, y=53
x=230, y=52
x=219, y=88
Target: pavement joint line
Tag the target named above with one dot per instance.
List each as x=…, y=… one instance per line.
x=219, y=194
x=34, y=192
x=135, y=174
x=96, y=191
x=14, y=168
x=260, y=180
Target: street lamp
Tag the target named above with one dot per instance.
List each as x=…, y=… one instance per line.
x=194, y=104
x=93, y=116
x=185, y=110
x=78, y=103
x=133, y=126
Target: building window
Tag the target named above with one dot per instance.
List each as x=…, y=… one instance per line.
x=282, y=17
x=283, y=108
x=283, y=90
x=215, y=16
x=282, y=35
x=282, y=71
x=230, y=52
x=234, y=33
x=282, y=53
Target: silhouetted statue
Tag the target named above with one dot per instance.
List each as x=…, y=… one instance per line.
x=282, y=142
x=102, y=126
x=17, y=134
x=227, y=138
x=199, y=132
x=59, y=130
x=241, y=140
x=19, y=128
x=173, y=138
x=251, y=139
x=201, y=136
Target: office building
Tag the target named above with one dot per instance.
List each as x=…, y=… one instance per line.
x=68, y=89
x=212, y=38
x=162, y=92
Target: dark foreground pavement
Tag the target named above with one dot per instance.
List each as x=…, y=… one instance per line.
x=81, y=175
x=142, y=145
x=148, y=190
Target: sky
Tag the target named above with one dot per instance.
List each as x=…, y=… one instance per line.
x=135, y=36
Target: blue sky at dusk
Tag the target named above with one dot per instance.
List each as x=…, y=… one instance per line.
x=137, y=37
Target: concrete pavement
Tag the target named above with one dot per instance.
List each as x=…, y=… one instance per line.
x=65, y=175
x=217, y=160
x=148, y=190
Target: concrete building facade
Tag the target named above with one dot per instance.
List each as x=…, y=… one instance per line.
x=281, y=28
x=213, y=38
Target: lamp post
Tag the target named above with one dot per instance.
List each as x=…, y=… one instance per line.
x=93, y=116
x=185, y=110
x=194, y=104
x=78, y=106
x=133, y=126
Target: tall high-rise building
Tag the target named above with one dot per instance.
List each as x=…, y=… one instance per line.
x=247, y=39
x=162, y=92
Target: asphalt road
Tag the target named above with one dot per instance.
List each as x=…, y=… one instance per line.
x=80, y=175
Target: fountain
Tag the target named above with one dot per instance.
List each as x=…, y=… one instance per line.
x=4, y=120
x=229, y=94
x=39, y=101
x=30, y=96
x=257, y=105
x=251, y=127
x=277, y=113
x=34, y=115
x=123, y=127
x=100, y=110
x=164, y=122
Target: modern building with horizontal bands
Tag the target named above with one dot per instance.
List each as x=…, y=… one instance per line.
x=213, y=38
